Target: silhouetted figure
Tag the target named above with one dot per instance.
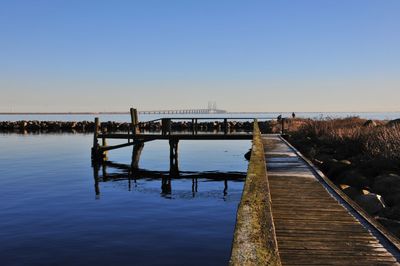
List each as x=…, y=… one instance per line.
x=279, y=118
x=293, y=115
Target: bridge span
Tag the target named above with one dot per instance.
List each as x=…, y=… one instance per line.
x=184, y=111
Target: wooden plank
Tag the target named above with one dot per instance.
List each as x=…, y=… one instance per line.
x=312, y=227
x=210, y=136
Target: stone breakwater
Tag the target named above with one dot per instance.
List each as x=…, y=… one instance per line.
x=111, y=126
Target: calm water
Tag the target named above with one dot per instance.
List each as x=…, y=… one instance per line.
x=126, y=117
x=51, y=215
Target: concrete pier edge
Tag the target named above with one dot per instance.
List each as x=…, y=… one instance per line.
x=254, y=241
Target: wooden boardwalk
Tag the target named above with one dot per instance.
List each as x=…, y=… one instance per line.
x=313, y=225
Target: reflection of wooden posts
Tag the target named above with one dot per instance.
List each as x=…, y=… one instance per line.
x=166, y=187
x=95, y=148
x=136, y=152
x=225, y=187
x=173, y=156
x=194, y=186
x=96, y=179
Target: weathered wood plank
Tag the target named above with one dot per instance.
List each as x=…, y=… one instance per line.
x=312, y=227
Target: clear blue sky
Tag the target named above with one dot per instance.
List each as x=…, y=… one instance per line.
x=309, y=55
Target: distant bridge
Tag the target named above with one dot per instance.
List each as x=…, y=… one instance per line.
x=185, y=111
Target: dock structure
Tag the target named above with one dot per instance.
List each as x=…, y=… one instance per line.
x=289, y=214
x=137, y=139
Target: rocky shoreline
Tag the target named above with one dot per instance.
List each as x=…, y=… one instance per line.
x=34, y=126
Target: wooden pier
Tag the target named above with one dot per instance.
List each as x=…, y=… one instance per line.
x=315, y=223
x=290, y=213
x=137, y=139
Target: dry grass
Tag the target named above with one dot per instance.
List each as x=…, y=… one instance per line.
x=383, y=142
x=350, y=134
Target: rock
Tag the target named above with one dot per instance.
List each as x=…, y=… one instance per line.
x=334, y=168
x=352, y=192
x=394, y=122
x=371, y=203
x=247, y=155
x=328, y=164
x=391, y=212
x=389, y=187
x=370, y=123
x=392, y=225
x=323, y=157
x=346, y=162
x=353, y=178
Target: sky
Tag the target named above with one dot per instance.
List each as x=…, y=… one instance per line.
x=273, y=56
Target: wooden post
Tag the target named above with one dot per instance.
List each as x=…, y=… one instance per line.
x=134, y=121
x=103, y=138
x=283, y=125
x=137, y=151
x=95, y=148
x=225, y=126
x=164, y=126
x=192, y=126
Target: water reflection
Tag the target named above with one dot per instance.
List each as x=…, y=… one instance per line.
x=112, y=171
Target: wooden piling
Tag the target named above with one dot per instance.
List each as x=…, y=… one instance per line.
x=134, y=121
x=225, y=126
x=95, y=148
x=137, y=151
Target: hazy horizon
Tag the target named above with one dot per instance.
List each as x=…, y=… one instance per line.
x=103, y=56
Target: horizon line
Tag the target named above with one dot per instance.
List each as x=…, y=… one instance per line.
x=228, y=112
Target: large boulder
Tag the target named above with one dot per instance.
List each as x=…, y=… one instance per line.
x=393, y=226
x=353, y=178
x=391, y=212
x=369, y=123
x=352, y=192
x=334, y=168
x=395, y=122
x=388, y=186
x=371, y=203
x=247, y=155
